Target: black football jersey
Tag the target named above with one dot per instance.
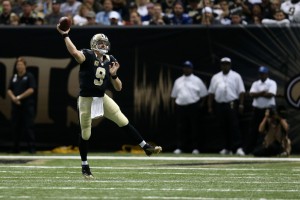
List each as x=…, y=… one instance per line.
x=94, y=75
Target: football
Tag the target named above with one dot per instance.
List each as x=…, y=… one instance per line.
x=64, y=23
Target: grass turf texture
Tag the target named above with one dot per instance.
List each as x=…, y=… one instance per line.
x=123, y=176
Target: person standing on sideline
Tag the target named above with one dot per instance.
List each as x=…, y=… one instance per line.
x=21, y=91
x=188, y=93
x=227, y=90
x=97, y=69
x=263, y=92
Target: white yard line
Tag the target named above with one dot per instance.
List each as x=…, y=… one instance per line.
x=132, y=197
x=149, y=189
x=141, y=168
x=14, y=157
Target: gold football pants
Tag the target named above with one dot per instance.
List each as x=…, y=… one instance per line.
x=111, y=111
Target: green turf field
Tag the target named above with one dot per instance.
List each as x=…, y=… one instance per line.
x=167, y=176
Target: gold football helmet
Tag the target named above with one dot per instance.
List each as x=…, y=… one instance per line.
x=100, y=43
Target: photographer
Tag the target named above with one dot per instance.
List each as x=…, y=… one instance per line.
x=276, y=141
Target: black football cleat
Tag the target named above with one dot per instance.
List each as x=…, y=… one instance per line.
x=86, y=172
x=149, y=150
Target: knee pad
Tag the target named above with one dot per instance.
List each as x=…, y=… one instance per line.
x=86, y=126
x=86, y=133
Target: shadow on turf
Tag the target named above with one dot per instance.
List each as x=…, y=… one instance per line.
x=21, y=161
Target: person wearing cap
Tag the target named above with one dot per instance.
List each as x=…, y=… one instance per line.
x=91, y=18
x=263, y=92
x=27, y=16
x=226, y=93
x=208, y=16
x=115, y=18
x=53, y=17
x=188, y=94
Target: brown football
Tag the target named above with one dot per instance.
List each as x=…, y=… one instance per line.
x=64, y=23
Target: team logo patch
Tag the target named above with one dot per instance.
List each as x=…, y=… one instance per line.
x=292, y=92
x=96, y=63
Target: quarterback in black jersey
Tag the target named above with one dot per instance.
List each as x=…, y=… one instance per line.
x=97, y=69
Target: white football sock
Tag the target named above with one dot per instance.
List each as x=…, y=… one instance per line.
x=84, y=163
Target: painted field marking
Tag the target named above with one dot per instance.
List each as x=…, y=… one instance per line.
x=6, y=157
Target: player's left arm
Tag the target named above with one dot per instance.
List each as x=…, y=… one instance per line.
x=116, y=82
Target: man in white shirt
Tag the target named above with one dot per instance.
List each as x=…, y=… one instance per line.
x=188, y=94
x=227, y=91
x=263, y=92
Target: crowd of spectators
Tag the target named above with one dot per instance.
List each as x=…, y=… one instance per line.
x=150, y=12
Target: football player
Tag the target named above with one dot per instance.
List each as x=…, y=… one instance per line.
x=97, y=69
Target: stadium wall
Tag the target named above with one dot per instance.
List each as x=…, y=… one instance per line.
x=150, y=60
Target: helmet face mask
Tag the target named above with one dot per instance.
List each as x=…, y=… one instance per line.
x=100, y=43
